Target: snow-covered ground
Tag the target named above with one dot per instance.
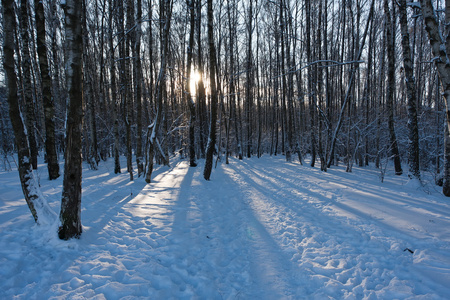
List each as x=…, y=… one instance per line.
x=260, y=229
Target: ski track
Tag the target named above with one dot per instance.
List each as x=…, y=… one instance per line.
x=252, y=232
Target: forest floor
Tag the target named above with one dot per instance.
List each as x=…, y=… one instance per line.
x=259, y=229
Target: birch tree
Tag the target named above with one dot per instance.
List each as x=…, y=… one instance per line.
x=190, y=102
x=37, y=204
x=128, y=83
x=214, y=99
x=249, y=80
x=138, y=87
x=413, y=128
x=114, y=101
x=442, y=63
x=30, y=118
x=46, y=82
x=391, y=86
x=165, y=19
x=70, y=215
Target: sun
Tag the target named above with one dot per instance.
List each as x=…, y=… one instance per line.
x=195, y=78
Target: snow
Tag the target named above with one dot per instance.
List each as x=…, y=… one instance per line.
x=414, y=5
x=259, y=229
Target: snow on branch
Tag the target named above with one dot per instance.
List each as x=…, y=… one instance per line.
x=414, y=5
x=332, y=63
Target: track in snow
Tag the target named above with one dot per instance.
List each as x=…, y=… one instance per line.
x=260, y=229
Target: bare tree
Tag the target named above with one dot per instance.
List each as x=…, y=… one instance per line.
x=128, y=83
x=114, y=101
x=38, y=206
x=214, y=99
x=165, y=19
x=138, y=87
x=190, y=102
x=350, y=86
x=201, y=94
x=442, y=63
x=70, y=215
x=390, y=89
x=311, y=92
x=249, y=80
x=413, y=128
x=48, y=103
x=30, y=117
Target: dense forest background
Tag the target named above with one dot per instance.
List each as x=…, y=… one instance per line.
x=323, y=78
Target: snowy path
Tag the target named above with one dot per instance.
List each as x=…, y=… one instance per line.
x=260, y=229
x=340, y=257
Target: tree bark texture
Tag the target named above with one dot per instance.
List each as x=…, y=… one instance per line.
x=138, y=88
x=166, y=20
x=311, y=93
x=442, y=63
x=413, y=128
x=30, y=117
x=190, y=102
x=70, y=215
x=249, y=81
x=48, y=103
x=128, y=83
x=212, y=78
x=38, y=206
x=112, y=72
x=390, y=88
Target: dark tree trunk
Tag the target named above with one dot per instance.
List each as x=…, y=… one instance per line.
x=116, y=152
x=443, y=68
x=190, y=102
x=48, y=103
x=93, y=157
x=138, y=89
x=249, y=82
x=212, y=78
x=165, y=19
x=390, y=88
x=128, y=86
x=39, y=208
x=70, y=215
x=413, y=128
x=30, y=117
x=201, y=94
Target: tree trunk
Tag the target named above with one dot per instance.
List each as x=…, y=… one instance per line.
x=311, y=94
x=127, y=86
x=93, y=157
x=112, y=71
x=49, y=108
x=285, y=129
x=30, y=117
x=38, y=206
x=138, y=88
x=201, y=94
x=166, y=20
x=212, y=78
x=390, y=88
x=319, y=73
x=413, y=128
x=56, y=91
x=233, y=109
x=190, y=102
x=443, y=67
x=249, y=81
x=70, y=215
